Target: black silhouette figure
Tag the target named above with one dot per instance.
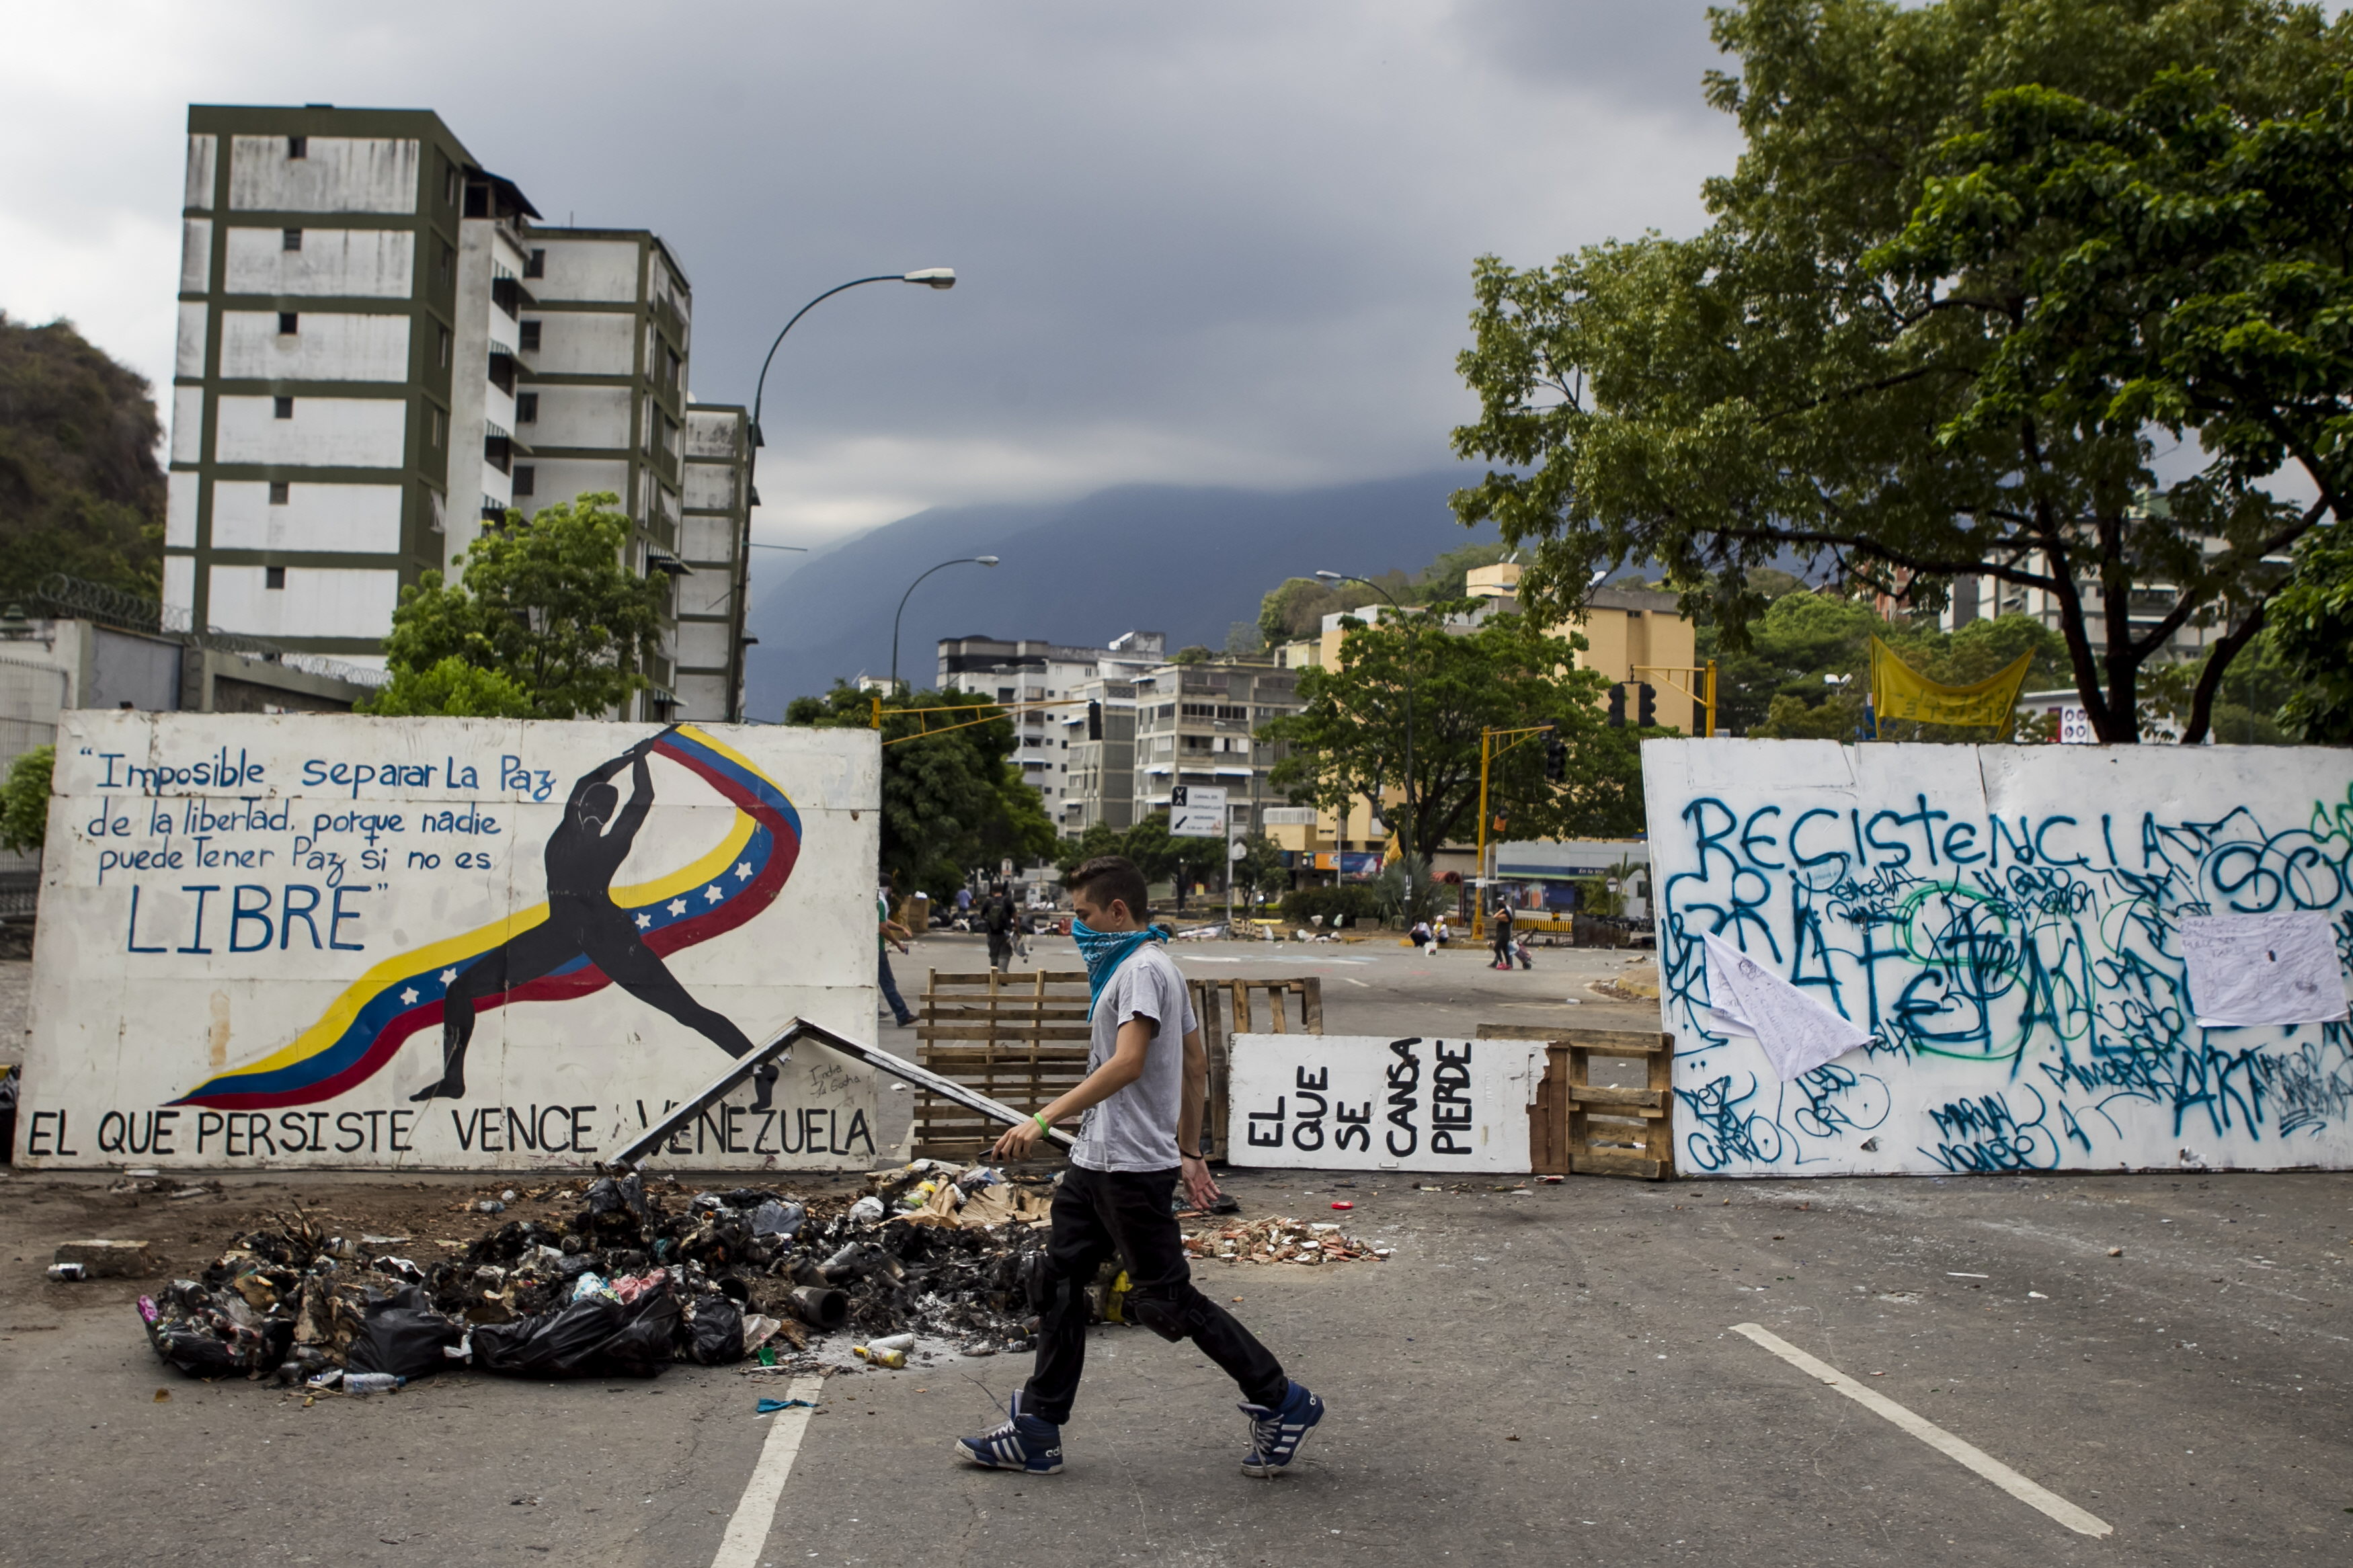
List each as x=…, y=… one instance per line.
x=582, y=855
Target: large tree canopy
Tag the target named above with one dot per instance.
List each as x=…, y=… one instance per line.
x=1983, y=266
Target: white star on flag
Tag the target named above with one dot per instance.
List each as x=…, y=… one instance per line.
x=715, y=892
x=448, y=975
x=743, y=870
x=678, y=906
x=409, y=995
x=644, y=921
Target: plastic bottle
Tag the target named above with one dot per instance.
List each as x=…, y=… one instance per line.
x=372, y=1382
x=894, y=1359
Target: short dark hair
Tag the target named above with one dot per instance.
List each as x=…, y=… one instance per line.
x=1112, y=878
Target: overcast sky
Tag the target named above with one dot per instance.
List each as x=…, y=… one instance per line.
x=1219, y=242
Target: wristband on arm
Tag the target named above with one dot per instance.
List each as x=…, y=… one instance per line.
x=1042, y=1129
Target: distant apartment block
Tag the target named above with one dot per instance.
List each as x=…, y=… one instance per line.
x=1023, y=672
x=382, y=350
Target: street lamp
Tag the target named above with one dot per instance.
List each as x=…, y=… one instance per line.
x=929, y=277
x=959, y=560
x=1412, y=876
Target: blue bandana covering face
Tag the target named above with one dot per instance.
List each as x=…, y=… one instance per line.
x=1105, y=950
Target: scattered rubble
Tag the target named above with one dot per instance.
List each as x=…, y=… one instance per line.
x=1282, y=1241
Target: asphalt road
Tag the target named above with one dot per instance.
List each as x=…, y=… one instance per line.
x=1536, y=1376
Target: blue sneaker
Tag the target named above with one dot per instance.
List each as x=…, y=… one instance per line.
x=1275, y=1435
x=1022, y=1443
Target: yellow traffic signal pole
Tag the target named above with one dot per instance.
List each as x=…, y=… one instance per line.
x=1488, y=752
x=1703, y=697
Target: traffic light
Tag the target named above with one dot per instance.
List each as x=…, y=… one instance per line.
x=1647, y=713
x=1617, y=706
x=1556, y=755
x=1094, y=721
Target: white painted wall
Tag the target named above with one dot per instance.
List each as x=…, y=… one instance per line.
x=188, y=353
x=361, y=263
x=317, y=602
x=324, y=346
x=590, y=270
x=180, y=488
x=341, y=175
x=126, y=1019
x=202, y=152
x=195, y=254
x=707, y=538
x=703, y=644
x=712, y=434
x=581, y=417
x=187, y=424
x=325, y=432
x=363, y=518
x=709, y=485
x=562, y=478
x=2006, y=920
x=180, y=581
x=705, y=696
x=581, y=342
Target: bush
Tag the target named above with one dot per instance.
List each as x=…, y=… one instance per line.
x=1358, y=901
x=25, y=800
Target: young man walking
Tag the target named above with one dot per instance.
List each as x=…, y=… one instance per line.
x=996, y=918
x=1146, y=1084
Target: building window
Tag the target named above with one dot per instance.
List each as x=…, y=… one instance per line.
x=289, y=323
x=437, y=427
x=526, y=407
x=283, y=407
x=531, y=337
x=449, y=185
x=280, y=492
x=448, y=264
x=292, y=240
x=445, y=348
x=525, y=480
x=273, y=577
x=535, y=264
x=298, y=146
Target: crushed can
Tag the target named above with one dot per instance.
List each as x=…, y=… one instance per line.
x=68, y=1271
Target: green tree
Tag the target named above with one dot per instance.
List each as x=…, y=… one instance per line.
x=1348, y=739
x=1260, y=869
x=1101, y=839
x=1970, y=274
x=25, y=800
x=452, y=688
x=548, y=605
x=80, y=491
x=951, y=800
x=2312, y=634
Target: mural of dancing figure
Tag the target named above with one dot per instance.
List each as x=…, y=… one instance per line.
x=582, y=855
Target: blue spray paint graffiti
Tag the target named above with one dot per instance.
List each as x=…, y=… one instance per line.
x=2006, y=920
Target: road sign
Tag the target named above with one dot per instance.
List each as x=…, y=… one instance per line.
x=1196, y=810
x=1004, y=867
x=1236, y=849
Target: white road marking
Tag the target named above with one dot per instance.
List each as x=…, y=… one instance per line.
x=1353, y=981
x=1966, y=1454
x=747, y=1532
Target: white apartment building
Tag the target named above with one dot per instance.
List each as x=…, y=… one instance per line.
x=380, y=351
x=1044, y=672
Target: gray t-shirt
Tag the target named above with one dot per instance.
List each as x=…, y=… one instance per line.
x=1135, y=1130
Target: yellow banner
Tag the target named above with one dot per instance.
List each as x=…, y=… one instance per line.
x=1899, y=691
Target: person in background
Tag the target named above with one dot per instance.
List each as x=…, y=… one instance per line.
x=1502, y=929
x=889, y=933
x=964, y=906
x=996, y=918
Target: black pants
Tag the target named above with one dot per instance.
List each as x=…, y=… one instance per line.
x=1000, y=950
x=1098, y=1214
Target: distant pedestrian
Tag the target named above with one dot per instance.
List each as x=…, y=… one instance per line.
x=1142, y=1099
x=996, y=918
x=1502, y=933
x=889, y=933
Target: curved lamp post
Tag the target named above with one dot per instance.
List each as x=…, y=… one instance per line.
x=1412, y=874
x=959, y=560
x=931, y=277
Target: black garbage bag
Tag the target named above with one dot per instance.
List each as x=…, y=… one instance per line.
x=712, y=1334
x=596, y=1336
x=203, y=1339
x=403, y=1335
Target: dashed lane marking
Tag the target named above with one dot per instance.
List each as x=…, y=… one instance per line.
x=755, y=1515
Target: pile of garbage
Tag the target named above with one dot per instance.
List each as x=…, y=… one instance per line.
x=1282, y=1241
x=620, y=1287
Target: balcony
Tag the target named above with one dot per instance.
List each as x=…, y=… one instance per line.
x=498, y=451
x=509, y=295
x=502, y=370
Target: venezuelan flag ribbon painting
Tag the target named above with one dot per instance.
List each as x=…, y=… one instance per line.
x=368, y=1023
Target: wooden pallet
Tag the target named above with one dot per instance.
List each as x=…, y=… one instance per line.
x=1578, y=1127
x=1018, y=1038
x=1309, y=990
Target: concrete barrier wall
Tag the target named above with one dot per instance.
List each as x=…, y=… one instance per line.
x=2006, y=922
x=250, y=926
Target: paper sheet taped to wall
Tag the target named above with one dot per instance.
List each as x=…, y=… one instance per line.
x=1799, y=1034
x=2251, y=970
